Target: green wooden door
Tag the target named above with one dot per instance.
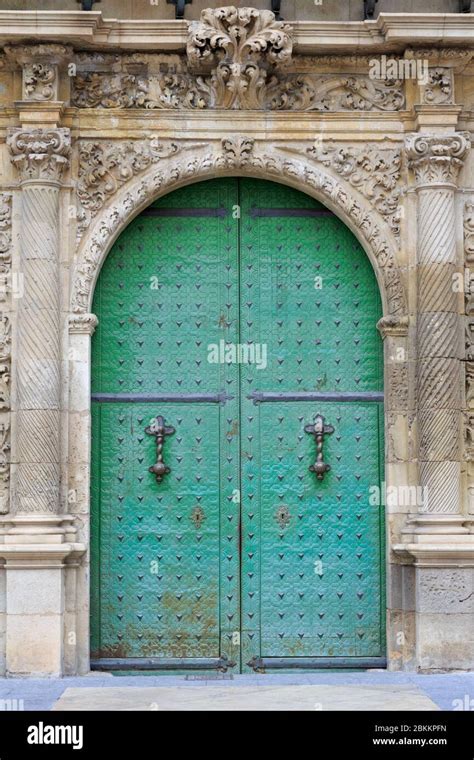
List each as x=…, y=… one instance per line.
x=240, y=312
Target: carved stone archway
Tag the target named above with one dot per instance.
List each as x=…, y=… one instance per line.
x=239, y=155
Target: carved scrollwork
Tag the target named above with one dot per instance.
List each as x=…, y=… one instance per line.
x=373, y=170
x=94, y=90
x=40, y=154
x=241, y=153
x=104, y=167
x=437, y=158
x=237, y=36
x=5, y=349
x=439, y=89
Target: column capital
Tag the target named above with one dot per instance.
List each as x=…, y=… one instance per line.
x=82, y=324
x=39, y=154
x=436, y=159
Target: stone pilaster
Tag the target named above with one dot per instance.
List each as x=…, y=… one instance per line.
x=40, y=156
x=436, y=161
x=38, y=541
x=437, y=538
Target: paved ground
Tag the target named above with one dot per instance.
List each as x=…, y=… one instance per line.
x=318, y=691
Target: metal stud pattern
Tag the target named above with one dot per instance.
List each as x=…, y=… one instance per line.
x=240, y=552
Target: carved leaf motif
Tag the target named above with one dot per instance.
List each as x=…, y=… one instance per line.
x=238, y=35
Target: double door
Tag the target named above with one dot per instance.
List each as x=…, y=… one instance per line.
x=237, y=416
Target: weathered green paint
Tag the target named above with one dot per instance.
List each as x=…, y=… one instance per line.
x=301, y=289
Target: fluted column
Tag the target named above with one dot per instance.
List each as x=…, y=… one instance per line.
x=436, y=161
x=40, y=156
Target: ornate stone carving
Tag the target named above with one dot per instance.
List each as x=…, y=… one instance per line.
x=437, y=158
x=373, y=170
x=468, y=224
x=95, y=90
x=394, y=326
x=40, y=68
x=40, y=154
x=439, y=89
x=5, y=349
x=237, y=150
x=39, y=81
x=5, y=228
x=104, y=167
x=242, y=153
x=4, y=464
x=238, y=37
x=173, y=86
x=241, y=47
x=82, y=324
x=307, y=92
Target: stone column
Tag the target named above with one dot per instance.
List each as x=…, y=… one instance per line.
x=41, y=156
x=36, y=538
x=436, y=161
x=437, y=538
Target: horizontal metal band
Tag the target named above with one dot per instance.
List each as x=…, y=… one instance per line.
x=192, y=212
x=261, y=397
x=277, y=212
x=180, y=398
x=316, y=663
x=162, y=663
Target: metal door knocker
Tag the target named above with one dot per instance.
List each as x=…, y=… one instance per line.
x=159, y=429
x=319, y=429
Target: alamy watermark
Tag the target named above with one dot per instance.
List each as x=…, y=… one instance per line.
x=238, y=353
x=393, y=69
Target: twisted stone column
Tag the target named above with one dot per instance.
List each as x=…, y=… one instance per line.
x=436, y=161
x=41, y=156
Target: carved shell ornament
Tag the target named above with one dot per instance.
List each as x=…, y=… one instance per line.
x=239, y=35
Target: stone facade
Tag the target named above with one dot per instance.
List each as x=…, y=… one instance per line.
x=100, y=122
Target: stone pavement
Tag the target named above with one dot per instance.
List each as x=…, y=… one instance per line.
x=374, y=690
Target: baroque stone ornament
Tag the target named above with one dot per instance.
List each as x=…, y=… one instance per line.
x=241, y=47
x=245, y=155
x=238, y=35
x=373, y=170
x=40, y=68
x=82, y=324
x=39, y=81
x=439, y=89
x=39, y=154
x=104, y=167
x=230, y=72
x=437, y=158
x=5, y=348
x=468, y=225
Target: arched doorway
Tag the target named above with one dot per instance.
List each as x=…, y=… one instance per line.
x=237, y=347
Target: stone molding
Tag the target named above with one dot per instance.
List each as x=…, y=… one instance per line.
x=398, y=30
x=39, y=154
x=242, y=155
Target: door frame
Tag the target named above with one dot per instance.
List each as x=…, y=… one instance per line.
x=236, y=156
